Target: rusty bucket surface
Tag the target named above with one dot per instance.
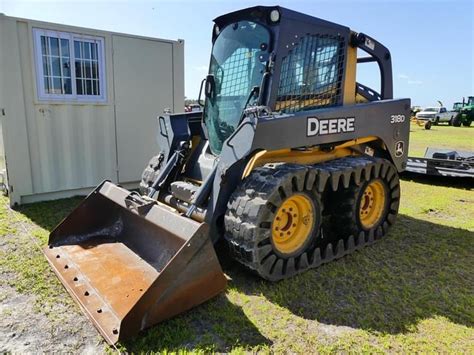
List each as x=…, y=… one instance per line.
x=130, y=271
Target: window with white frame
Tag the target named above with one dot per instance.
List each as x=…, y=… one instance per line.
x=69, y=66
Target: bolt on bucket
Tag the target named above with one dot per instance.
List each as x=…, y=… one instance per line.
x=131, y=270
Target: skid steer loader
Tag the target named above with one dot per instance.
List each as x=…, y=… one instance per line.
x=292, y=164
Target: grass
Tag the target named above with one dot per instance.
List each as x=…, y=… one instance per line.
x=441, y=136
x=411, y=292
x=21, y=261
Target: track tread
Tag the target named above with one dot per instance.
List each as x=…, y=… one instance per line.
x=250, y=211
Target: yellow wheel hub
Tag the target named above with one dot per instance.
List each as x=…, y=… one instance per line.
x=372, y=204
x=293, y=223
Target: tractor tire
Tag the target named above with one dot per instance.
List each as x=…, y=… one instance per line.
x=428, y=125
x=372, y=205
x=151, y=172
x=450, y=123
x=467, y=123
x=273, y=218
x=457, y=121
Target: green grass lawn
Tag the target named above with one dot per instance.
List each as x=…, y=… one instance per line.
x=412, y=291
x=442, y=136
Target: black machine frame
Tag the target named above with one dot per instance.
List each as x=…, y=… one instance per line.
x=262, y=130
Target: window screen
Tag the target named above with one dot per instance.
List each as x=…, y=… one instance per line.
x=311, y=74
x=87, y=68
x=69, y=66
x=56, y=65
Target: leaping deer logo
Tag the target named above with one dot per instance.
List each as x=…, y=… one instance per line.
x=399, y=149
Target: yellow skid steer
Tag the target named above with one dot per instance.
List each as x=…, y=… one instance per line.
x=292, y=163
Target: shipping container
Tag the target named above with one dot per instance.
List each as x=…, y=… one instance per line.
x=78, y=106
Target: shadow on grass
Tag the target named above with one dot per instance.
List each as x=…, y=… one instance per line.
x=465, y=183
x=48, y=214
x=419, y=271
x=216, y=326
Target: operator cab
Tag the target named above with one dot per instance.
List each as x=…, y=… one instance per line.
x=287, y=61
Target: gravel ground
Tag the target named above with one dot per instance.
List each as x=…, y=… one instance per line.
x=23, y=329
x=28, y=324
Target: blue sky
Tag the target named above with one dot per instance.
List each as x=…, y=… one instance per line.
x=431, y=42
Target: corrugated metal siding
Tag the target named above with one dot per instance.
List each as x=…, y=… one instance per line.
x=71, y=145
x=54, y=147
x=143, y=89
x=2, y=148
x=14, y=122
x=74, y=148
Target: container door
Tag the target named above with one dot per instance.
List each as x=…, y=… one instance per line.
x=3, y=165
x=143, y=78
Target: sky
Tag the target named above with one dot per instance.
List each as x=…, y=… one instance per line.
x=431, y=42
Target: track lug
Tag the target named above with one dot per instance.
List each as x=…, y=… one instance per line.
x=328, y=254
x=346, y=179
x=316, y=259
x=357, y=176
x=394, y=183
x=360, y=242
x=350, y=244
x=367, y=172
x=267, y=265
x=391, y=218
x=395, y=193
x=263, y=251
x=322, y=179
x=379, y=232
x=290, y=267
x=384, y=170
x=390, y=173
x=370, y=238
x=340, y=252
x=303, y=264
x=310, y=179
x=335, y=180
x=376, y=170
x=278, y=269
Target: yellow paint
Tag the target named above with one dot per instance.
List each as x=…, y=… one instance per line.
x=293, y=224
x=305, y=157
x=372, y=204
x=350, y=76
x=308, y=103
x=361, y=99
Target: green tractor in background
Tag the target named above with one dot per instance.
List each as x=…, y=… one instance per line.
x=465, y=111
x=457, y=106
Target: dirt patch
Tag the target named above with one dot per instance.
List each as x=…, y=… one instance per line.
x=23, y=329
x=34, y=314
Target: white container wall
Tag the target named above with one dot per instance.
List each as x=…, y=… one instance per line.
x=78, y=106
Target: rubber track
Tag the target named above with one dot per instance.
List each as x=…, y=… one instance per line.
x=249, y=203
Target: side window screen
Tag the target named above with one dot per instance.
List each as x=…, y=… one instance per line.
x=311, y=74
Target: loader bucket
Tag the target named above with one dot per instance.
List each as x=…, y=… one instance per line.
x=129, y=271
